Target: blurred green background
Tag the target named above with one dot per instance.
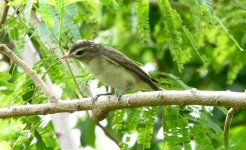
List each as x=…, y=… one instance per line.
x=187, y=43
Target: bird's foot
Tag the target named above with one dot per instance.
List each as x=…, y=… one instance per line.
x=118, y=95
x=94, y=98
x=122, y=92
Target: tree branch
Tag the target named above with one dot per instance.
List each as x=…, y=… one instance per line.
x=37, y=80
x=109, y=134
x=60, y=121
x=109, y=103
x=4, y=13
x=228, y=120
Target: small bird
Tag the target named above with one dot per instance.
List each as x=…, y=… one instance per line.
x=111, y=67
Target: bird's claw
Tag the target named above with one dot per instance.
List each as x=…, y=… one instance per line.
x=94, y=99
x=122, y=92
x=118, y=95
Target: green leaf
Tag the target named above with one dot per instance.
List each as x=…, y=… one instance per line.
x=171, y=128
x=118, y=119
x=47, y=137
x=113, y=4
x=146, y=125
x=202, y=141
x=47, y=14
x=69, y=25
x=143, y=20
x=173, y=29
x=4, y=79
x=27, y=10
x=132, y=119
x=17, y=2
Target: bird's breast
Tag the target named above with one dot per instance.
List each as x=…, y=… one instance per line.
x=113, y=74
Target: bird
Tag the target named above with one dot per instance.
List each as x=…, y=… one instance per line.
x=111, y=67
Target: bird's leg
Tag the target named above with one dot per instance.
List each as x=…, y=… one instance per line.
x=94, y=98
x=120, y=93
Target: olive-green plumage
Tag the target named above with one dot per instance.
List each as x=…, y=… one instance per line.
x=111, y=67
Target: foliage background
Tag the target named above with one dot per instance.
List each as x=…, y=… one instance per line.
x=189, y=43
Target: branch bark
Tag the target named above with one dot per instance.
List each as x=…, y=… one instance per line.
x=109, y=103
x=60, y=121
x=228, y=120
x=4, y=13
x=36, y=79
x=65, y=140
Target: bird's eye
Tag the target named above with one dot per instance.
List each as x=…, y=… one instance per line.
x=79, y=52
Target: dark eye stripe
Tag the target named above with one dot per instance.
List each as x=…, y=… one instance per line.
x=79, y=52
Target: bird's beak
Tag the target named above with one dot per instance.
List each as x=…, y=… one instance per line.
x=68, y=55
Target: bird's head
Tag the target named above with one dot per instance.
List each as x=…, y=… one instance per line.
x=83, y=50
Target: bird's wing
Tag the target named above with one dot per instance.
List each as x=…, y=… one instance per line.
x=112, y=54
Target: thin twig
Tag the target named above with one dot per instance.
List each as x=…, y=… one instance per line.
x=4, y=13
x=106, y=131
x=37, y=80
x=228, y=120
x=111, y=136
x=50, y=67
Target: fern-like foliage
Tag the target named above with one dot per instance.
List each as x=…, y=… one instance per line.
x=128, y=121
x=132, y=120
x=118, y=120
x=69, y=24
x=175, y=128
x=47, y=12
x=130, y=125
x=20, y=89
x=173, y=30
x=195, y=46
x=14, y=132
x=46, y=135
x=189, y=32
x=6, y=87
x=65, y=28
x=146, y=126
x=143, y=20
x=201, y=139
x=113, y=5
